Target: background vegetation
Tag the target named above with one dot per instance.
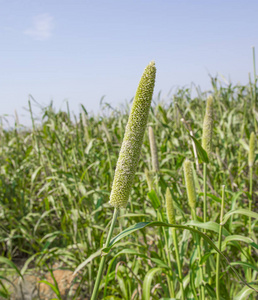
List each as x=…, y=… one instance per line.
x=55, y=182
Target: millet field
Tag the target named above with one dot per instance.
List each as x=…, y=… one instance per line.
x=157, y=200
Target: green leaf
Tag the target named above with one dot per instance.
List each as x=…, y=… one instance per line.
x=142, y=225
x=158, y=261
x=121, y=283
x=35, y=173
x=244, y=264
x=154, y=199
x=4, y=295
x=55, y=290
x=55, y=282
x=202, y=154
x=205, y=257
x=213, y=197
x=233, y=205
x=41, y=218
x=244, y=212
x=209, y=226
x=211, y=291
x=146, y=289
x=11, y=264
x=9, y=281
x=89, y=259
x=238, y=238
x=244, y=293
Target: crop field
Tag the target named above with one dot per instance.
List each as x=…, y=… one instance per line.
x=182, y=218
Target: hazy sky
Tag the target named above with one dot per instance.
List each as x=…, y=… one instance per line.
x=80, y=50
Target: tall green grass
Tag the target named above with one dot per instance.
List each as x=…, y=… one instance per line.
x=55, y=184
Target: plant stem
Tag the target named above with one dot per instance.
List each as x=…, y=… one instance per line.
x=199, y=255
x=250, y=209
x=170, y=282
x=251, y=196
x=167, y=260
x=204, y=197
x=103, y=258
x=219, y=243
x=204, y=194
x=204, y=211
x=179, y=266
x=254, y=89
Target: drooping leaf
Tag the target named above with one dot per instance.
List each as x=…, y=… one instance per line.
x=54, y=289
x=238, y=238
x=245, y=292
x=5, y=260
x=146, y=289
x=142, y=225
x=158, y=261
x=209, y=226
x=89, y=259
x=244, y=264
x=244, y=212
x=202, y=154
x=213, y=197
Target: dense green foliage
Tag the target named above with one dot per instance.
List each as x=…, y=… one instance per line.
x=55, y=183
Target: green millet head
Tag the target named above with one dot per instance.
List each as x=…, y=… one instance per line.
x=154, y=151
x=208, y=127
x=170, y=207
x=251, y=156
x=189, y=181
x=130, y=151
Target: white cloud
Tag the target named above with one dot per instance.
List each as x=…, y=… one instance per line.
x=42, y=27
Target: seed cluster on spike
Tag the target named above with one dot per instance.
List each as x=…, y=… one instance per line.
x=189, y=181
x=208, y=127
x=251, y=155
x=154, y=151
x=170, y=207
x=130, y=151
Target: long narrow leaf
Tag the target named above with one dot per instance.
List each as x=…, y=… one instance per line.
x=209, y=226
x=244, y=293
x=11, y=264
x=146, y=289
x=244, y=212
x=142, y=225
x=202, y=154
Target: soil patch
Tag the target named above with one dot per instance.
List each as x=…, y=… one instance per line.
x=30, y=288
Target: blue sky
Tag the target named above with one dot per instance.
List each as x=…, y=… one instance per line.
x=81, y=50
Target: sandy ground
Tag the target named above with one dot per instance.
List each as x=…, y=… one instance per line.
x=31, y=289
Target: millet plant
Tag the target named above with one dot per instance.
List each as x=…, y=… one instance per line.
x=177, y=236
